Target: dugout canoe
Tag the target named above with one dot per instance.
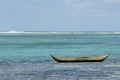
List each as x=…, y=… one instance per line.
x=80, y=59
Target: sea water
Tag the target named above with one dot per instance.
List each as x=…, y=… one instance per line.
x=27, y=55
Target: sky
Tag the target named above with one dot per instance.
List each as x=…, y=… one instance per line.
x=59, y=15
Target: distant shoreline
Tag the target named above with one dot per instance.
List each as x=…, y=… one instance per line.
x=65, y=32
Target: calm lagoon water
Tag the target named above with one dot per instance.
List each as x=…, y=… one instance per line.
x=26, y=55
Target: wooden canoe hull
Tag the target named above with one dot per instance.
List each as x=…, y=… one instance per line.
x=80, y=59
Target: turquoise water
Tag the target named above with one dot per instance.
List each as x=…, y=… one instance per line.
x=26, y=56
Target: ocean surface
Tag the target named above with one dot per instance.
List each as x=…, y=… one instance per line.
x=27, y=55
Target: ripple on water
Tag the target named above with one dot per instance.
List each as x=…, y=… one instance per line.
x=59, y=71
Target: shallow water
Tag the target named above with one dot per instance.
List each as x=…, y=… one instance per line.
x=27, y=56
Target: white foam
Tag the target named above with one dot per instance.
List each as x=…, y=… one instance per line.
x=13, y=32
